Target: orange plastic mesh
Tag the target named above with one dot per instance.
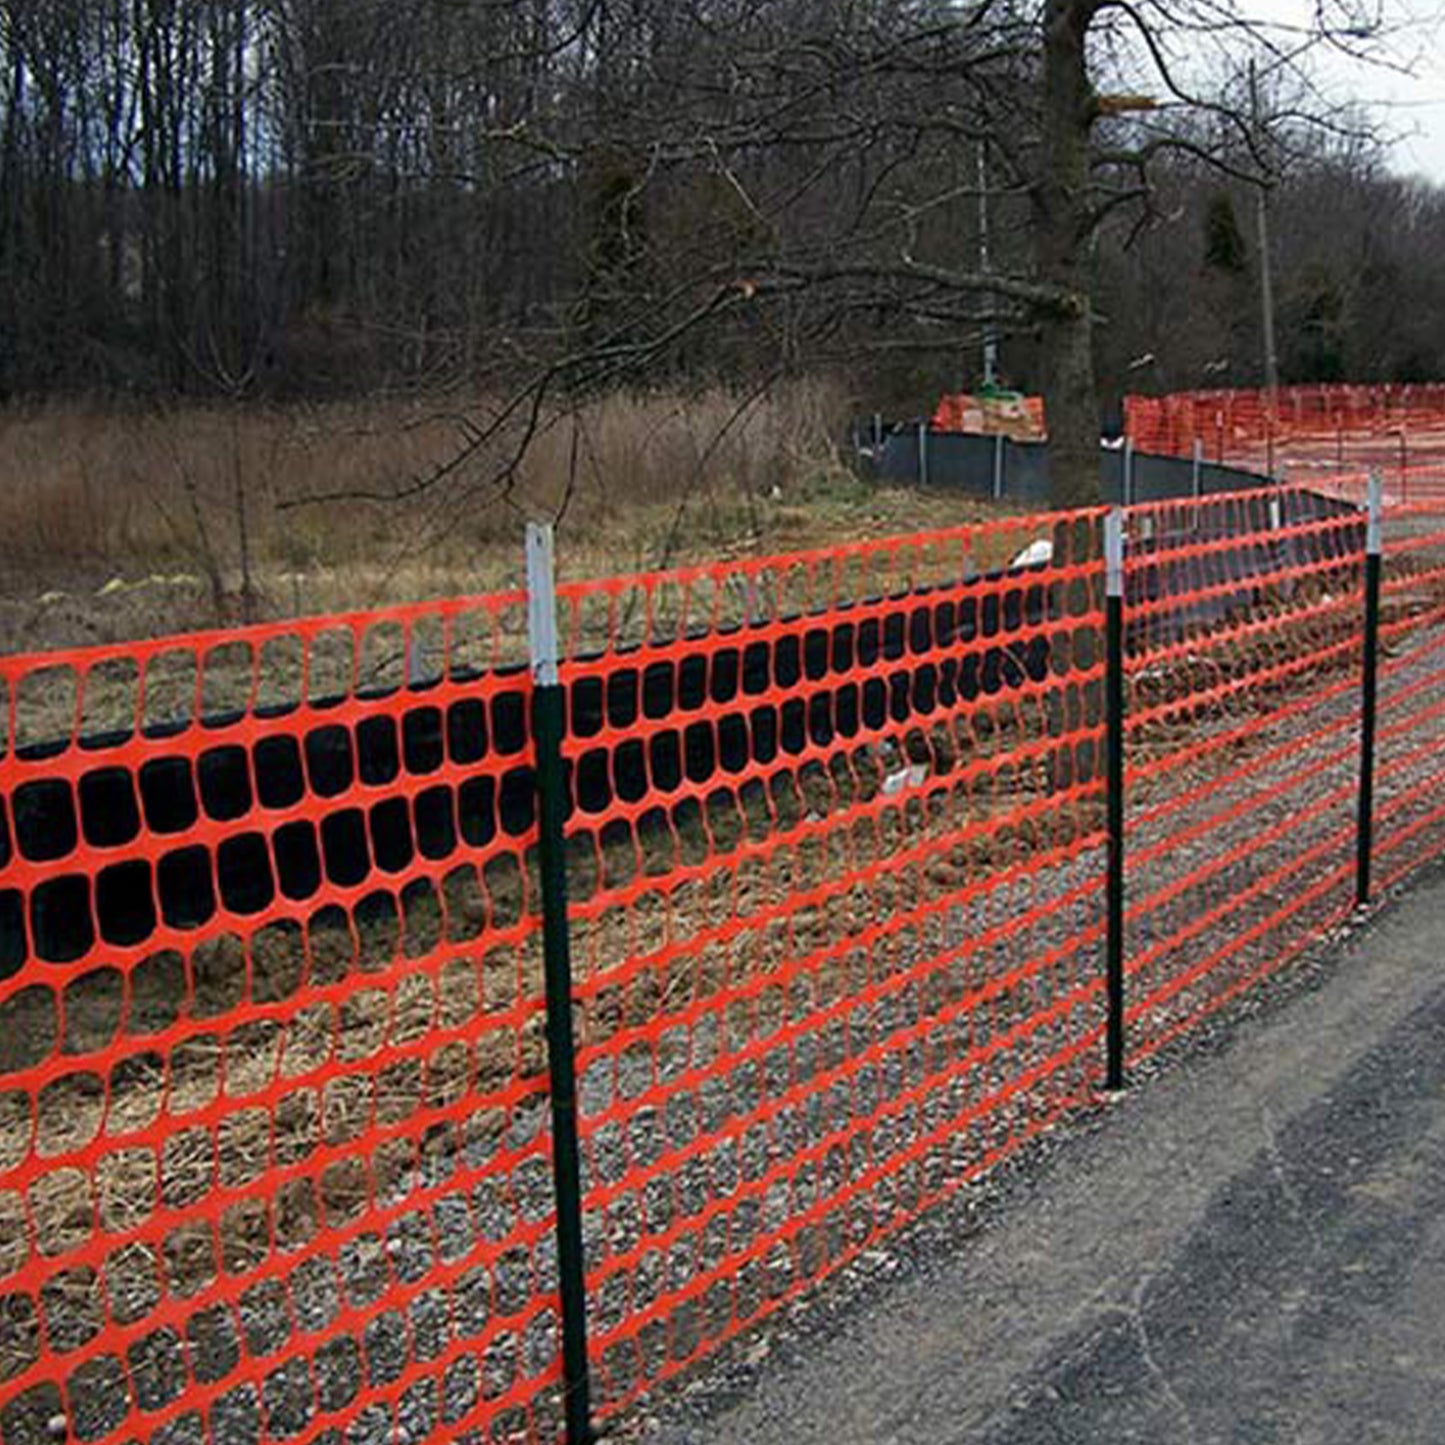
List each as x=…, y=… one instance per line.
x=837, y=860
x=1243, y=654
x=1410, y=767
x=274, y=1144
x=274, y=1135
x=1314, y=433
x=1020, y=417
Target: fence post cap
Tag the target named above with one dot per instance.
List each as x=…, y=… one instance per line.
x=1114, y=552
x=542, y=604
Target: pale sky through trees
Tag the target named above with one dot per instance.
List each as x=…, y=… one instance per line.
x=315, y=198
x=1405, y=93
x=1414, y=106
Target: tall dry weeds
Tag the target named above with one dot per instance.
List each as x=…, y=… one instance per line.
x=120, y=522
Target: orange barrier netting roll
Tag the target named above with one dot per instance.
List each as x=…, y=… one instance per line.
x=274, y=1144
x=1243, y=671
x=838, y=909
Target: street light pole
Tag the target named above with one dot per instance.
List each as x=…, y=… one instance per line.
x=1266, y=278
x=990, y=329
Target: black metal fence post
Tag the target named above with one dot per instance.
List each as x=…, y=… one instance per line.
x=1114, y=766
x=1369, y=686
x=549, y=719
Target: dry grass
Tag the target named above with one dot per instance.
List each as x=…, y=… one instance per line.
x=124, y=523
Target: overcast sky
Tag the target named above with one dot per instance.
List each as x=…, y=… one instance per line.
x=1415, y=107
x=1411, y=106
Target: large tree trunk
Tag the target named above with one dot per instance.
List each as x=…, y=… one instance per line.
x=1061, y=216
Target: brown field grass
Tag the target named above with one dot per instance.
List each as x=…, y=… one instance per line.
x=123, y=523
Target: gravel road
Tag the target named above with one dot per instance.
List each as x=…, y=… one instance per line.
x=1250, y=1249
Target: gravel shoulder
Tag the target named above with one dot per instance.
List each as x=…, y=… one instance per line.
x=1250, y=1248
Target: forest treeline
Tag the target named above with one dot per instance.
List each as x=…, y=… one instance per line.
x=281, y=198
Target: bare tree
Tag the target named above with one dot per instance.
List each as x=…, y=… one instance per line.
x=832, y=143
x=544, y=198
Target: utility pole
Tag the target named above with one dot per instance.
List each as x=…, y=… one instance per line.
x=990, y=329
x=1266, y=279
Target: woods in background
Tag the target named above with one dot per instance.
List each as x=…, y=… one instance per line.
x=319, y=197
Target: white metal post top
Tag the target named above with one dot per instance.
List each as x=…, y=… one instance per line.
x=1375, y=502
x=1114, y=552
x=542, y=604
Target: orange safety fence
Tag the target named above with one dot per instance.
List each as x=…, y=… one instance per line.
x=839, y=952
x=1242, y=671
x=1019, y=417
x=273, y=1128
x=275, y=1143
x=1324, y=427
x=1410, y=772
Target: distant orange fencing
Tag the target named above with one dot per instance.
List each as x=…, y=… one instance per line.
x=276, y=1150
x=1021, y=417
x=1310, y=432
x=1225, y=419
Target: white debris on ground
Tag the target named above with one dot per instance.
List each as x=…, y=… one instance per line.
x=1036, y=554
